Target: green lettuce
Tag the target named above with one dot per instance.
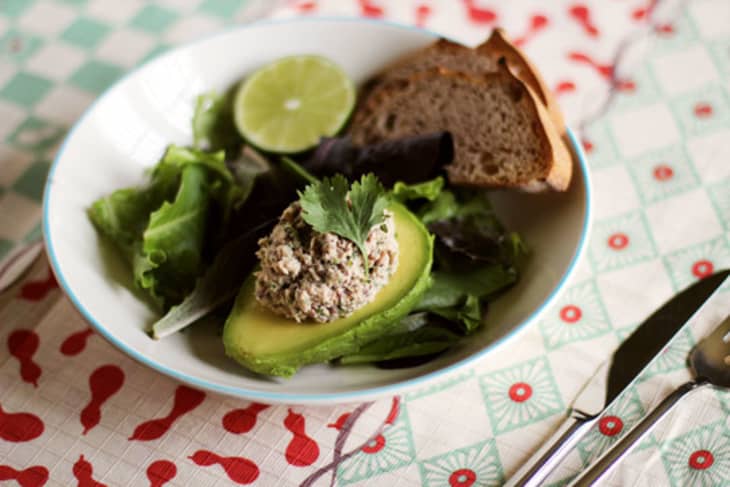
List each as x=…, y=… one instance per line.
x=428, y=190
x=166, y=228
x=213, y=125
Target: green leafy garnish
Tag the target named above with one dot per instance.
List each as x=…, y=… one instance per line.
x=332, y=206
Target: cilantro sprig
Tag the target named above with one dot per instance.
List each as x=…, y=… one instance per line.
x=333, y=206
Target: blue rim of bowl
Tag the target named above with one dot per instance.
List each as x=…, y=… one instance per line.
x=278, y=397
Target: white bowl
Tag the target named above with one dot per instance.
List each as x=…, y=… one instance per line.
x=126, y=130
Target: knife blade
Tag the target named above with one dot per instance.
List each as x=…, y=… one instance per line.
x=614, y=375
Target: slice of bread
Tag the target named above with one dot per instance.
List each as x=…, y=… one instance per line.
x=441, y=54
x=503, y=136
x=479, y=60
x=497, y=46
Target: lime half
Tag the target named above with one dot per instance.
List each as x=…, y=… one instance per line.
x=286, y=106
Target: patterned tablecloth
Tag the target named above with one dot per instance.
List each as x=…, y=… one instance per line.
x=646, y=85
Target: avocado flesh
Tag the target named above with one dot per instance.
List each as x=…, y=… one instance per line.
x=270, y=344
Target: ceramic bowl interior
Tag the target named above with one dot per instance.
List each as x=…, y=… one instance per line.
x=126, y=131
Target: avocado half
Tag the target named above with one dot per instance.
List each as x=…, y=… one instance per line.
x=270, y=344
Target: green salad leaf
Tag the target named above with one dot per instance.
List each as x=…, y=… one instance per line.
x=219, y=283
x=213, y=125
x=172, y=243
x=459, y=296
x=165, y=227
x=450, y=288
x=428, y=190
x=333, y=206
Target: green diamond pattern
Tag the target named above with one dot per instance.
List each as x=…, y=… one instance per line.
x=700, y=458
x=683, y=33
x=95, y=76
x=720, y=51
x=643, y=90
x=13, y=8
x=562, y=482
x=35, y=134
x=85, y=32
x=720, y=197
x=620, y=241
x=520, y=395
x=619, y=417
x=663, y=173
x=153, y=19
x=389, y=451
x=18, y=45
x=703, y=111
x=692, y=263
x=599, y=145
x=25, y=89
x=30, y=183
x=220, y=8
x=472, y=465
x=579, y=315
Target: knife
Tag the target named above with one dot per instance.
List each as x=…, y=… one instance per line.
x=613, y=376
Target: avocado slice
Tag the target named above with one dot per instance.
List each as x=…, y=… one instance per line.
x=274, y=345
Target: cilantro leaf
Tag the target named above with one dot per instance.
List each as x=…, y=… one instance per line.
x=327, y=208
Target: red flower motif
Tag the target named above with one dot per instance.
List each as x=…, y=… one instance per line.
x=703, y=110
x=662, y=172
x=570, y=313
x=375, y=445
x=464, y=477
x=610, y=425
x=618, y=241
x=520, y=392
x=701, y=460
x=702, y=268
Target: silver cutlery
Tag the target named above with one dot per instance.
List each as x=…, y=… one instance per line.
x=710, y=365
x=613, y=376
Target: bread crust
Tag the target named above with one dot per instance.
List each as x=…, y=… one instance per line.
x=499, y=45
x=507, y=59
x=555, y=173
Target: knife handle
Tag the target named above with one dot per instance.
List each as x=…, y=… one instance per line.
x=610, y=458
x=537, y=468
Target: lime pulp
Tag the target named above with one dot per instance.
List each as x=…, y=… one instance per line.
x=289, y=104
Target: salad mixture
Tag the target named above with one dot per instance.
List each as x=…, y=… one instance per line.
x=316, y=249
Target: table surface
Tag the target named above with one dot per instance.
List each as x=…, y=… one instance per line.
x=644, y=83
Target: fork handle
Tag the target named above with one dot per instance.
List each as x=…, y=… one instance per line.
x=537, y=468
x=610, y=458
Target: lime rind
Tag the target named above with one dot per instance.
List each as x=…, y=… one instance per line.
x=288, y=105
